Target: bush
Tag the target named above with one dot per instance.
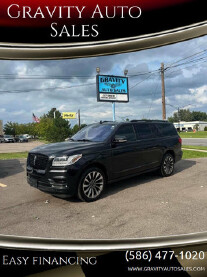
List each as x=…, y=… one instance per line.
x=54, y=130
x=205, y=129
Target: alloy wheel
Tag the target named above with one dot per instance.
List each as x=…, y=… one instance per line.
x=168, y=165
x=93, y=184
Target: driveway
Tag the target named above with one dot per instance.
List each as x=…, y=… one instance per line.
x=145, y=206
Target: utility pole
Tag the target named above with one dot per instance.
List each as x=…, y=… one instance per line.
x=163, y=92
x=79, y=125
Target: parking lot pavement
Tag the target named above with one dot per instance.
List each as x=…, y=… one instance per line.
x=18, y=147
x=144, y=206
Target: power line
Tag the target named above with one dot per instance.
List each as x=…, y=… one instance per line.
x=43, y=89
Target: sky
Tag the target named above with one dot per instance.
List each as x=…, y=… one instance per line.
x=28, y=87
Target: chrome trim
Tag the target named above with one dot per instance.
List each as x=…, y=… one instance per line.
x=99, y=48
x=56, y=171
x=20, y=242
x=41, y=171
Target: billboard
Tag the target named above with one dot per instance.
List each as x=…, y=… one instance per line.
x=68, y=115
x=112, y=88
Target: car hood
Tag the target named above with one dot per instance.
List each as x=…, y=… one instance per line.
x=64, y=147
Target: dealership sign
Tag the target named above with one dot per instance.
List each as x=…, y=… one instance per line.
x=69, y=115
x=112, y=88
x=51, y=29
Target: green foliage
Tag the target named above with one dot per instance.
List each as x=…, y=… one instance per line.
x=205, y=129
x=50, y=129
x=187, y=115
x=196, y=126
x=10, y=128
x=53, y=113
x=53, y=129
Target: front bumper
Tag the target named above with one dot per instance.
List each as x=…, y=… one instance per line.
x=54, y=181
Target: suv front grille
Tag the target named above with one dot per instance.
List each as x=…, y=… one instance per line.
x=37, y=161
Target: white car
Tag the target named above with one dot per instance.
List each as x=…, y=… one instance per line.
x=1, y=139
x=27, y=136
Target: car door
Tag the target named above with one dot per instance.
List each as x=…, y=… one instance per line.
x=148, y=146
x=123, y=160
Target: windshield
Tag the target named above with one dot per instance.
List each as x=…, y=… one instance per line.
x=8, y=136
x=97, y=133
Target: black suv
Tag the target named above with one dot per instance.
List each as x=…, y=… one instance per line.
x=103, y=153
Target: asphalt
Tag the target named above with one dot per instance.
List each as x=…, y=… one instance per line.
x=18, y=147
x=195, y=141
x=144, y=206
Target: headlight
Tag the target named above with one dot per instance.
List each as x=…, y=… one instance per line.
x=65, y=160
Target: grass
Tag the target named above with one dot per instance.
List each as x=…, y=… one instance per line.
x=8, y=156
x=187, y=154
x=195, y=147
x=199, y=134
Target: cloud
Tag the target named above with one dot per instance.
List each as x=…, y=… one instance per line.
x=183, y=86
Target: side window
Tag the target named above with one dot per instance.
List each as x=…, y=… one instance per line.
x=144, y=131
x=126, y=131
x=167, y=129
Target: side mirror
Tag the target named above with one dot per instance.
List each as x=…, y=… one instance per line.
x=120, y=139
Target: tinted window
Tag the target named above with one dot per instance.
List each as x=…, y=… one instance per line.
x=166, y=129
x=155, y=131
x=126, y=131
x=144, y=131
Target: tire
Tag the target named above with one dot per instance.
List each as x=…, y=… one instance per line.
x=167, y=165
x=91, y=184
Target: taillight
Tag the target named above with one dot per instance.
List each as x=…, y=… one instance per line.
x=180, y=140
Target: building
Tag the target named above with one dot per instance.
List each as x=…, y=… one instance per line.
x=1, y=127
x=189, y=126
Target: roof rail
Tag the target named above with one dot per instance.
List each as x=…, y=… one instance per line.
x=148, y=120
x=105, y=121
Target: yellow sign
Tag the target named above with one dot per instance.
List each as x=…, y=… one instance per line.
x=68, y=115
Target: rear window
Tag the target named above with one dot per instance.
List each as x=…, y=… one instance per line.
x=144, y=131
x=166, y=129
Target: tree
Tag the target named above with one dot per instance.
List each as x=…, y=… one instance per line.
x=187, y=115
x=53, y=129
x=10, y=128
x=53, y=112
x=182, y=115
x=196, y=126
x=198, y=116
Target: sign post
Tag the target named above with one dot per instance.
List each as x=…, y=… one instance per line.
x=113, y=111
x=112, y=89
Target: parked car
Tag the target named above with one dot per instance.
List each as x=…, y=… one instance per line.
x=1, y=138
x=21, y=138
x=189, y=130
x=8, y=138
x=27, y=136
x=103, y=153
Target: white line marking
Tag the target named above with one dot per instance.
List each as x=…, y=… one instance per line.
x=3, y=186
